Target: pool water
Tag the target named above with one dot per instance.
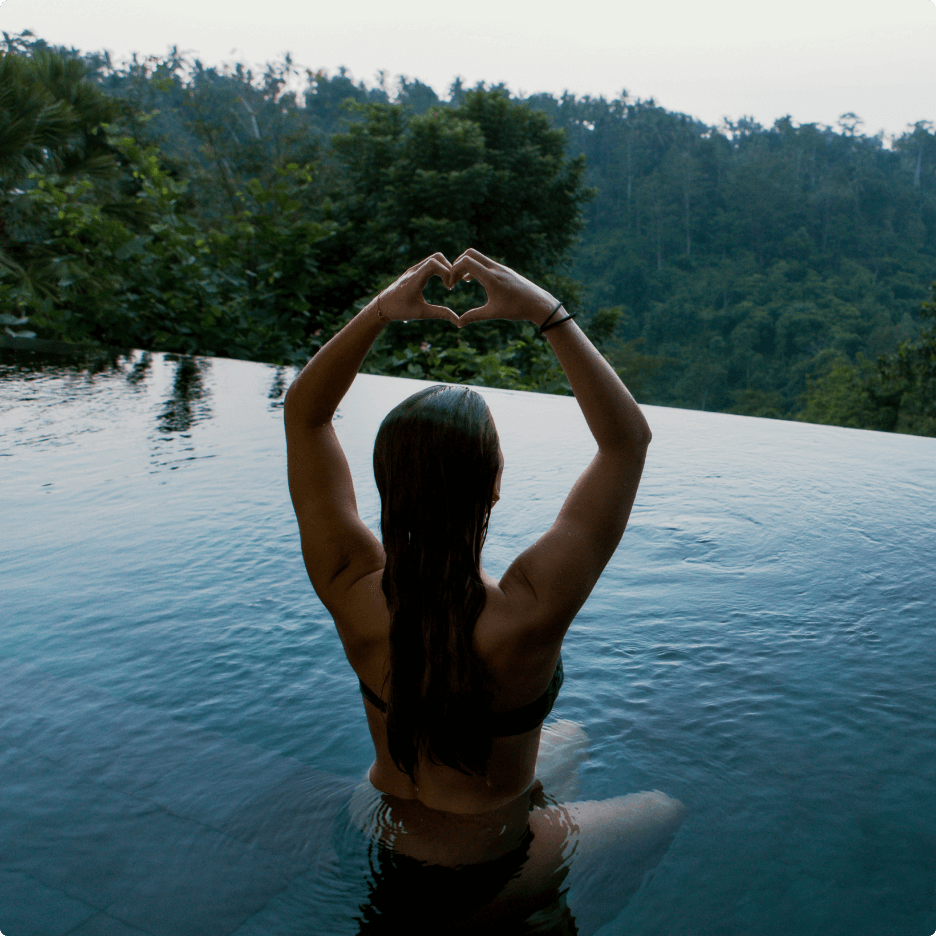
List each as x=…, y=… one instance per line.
x=179, y=728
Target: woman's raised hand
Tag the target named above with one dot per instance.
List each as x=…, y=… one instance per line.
x=509, y=295
x=403, y=300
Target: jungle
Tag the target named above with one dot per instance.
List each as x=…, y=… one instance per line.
x=159, y=203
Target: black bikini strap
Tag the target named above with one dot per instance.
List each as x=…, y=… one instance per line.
x=372, y=697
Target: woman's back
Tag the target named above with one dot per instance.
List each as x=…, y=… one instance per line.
x=515, y=676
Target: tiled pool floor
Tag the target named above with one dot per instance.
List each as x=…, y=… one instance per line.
x=115, y=819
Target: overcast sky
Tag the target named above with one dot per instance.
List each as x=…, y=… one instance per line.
x=812, y=59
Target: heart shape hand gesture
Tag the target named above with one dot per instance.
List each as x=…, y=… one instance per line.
x=509, y=295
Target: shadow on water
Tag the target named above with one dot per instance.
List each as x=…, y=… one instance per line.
x=187, y=405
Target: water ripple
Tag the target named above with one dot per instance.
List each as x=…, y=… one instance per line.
x=760, y=646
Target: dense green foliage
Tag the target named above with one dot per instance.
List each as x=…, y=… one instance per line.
x=200, y=235
x=747, y=261
x=895, y=394
x=171, y=206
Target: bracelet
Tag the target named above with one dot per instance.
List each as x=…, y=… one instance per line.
x=380, y=314
x=548, y=317
x=544, y=327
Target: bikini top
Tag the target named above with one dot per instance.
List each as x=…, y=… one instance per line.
x=501, y=724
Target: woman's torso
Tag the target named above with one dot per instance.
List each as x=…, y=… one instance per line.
x=515, y=674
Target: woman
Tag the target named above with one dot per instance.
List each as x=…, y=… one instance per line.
x=458, y=671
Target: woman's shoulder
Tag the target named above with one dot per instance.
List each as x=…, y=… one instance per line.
x=516, y=619
x=518, y=661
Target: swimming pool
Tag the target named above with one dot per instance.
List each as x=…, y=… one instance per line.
x=178, y=724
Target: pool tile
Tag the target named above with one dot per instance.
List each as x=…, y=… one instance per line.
x=140, y=824
x=127, y=751
x=83, y=728
x=192, y=881
x=28, y=689
x=327, y=893
x=72, y=835
x=216, y=777
x=150, y=745
x=294, y=817
x=105, y=850
x=29, y=908
x=191, y=772
x=103, y=924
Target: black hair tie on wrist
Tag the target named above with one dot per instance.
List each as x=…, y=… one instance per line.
x=548, y=317
x=545, y=327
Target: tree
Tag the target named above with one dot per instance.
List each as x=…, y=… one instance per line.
x=897, y=394
x=755, y=268
x=52, y=120
x=487, y=173
x=906, y=380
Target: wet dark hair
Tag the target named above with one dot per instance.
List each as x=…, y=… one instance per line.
x=436, y=461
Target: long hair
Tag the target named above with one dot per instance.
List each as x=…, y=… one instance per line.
x=436, y=461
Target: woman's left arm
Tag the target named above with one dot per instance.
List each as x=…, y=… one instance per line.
x=337, y=547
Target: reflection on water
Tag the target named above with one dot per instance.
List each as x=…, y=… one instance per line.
x=140, y=369
x=282, y=378
x=180, y=734
x=188, y=404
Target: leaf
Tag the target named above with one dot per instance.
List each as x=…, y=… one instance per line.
x=7, y=319
x=132, y=248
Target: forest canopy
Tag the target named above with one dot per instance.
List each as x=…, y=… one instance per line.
x=166, y=205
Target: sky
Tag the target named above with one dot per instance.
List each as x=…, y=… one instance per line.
x=812, y=59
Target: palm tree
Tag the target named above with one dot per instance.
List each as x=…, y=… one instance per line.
x=52, y=121
x=33, y=124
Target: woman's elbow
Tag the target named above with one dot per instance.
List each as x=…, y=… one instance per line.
x=637, y=435
x=628, y=444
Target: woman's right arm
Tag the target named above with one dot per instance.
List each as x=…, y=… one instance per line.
x=338, y=548
x=551, y=580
